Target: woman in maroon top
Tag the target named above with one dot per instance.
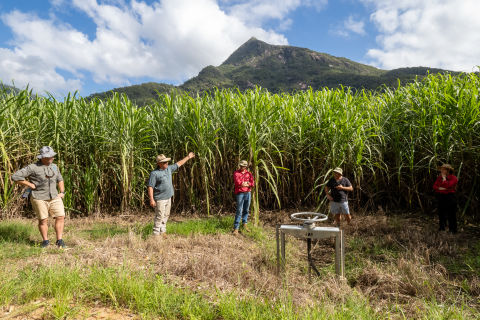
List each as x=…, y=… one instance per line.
x=244, y=183
x=445, y=187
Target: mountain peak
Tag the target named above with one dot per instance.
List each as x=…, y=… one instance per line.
x=282, y=68
x=250, y=49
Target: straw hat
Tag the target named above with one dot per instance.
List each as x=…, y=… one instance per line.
x=243, y=163
x=446, y=166
x=161, y=158
x=46, y=152
x=338, y=170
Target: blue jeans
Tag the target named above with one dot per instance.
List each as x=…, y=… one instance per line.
x=243, y=206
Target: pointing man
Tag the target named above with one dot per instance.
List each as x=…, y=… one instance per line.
x=160, y=191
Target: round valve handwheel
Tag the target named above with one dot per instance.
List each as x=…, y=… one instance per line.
x=309, y=217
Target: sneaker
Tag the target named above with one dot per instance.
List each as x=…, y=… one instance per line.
x=246, y=227
x=45, y=243
x=61, y=244
x=235, y=232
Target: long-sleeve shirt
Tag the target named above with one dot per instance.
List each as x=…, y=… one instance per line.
x=239, y=177
x=45, y=179
x=450, y=184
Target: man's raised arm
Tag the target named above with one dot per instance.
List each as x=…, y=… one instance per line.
x=180, y=163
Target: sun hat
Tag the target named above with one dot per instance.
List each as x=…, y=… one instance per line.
x=46, y=152
x=162, y=158
x=446, y=166
x=338, y=170
x=243, y=163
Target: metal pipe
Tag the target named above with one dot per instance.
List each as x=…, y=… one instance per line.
x=309, y=257
x=342, y=255
x=278, y=248
x=339, y=254
x=282, y=238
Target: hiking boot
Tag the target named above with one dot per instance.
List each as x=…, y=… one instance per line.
x=235, y=232
x=45, y=243
x=245, y=227
x=61, y=244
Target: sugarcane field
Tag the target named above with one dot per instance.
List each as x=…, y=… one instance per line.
x=173, y=210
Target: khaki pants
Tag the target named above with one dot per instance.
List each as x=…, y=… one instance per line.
x=46, y=208
x=162, y=212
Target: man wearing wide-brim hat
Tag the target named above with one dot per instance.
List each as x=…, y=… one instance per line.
x=160, y=191
x=445, y=187
x=336, y=190
x=244, y=182
x=42, y=178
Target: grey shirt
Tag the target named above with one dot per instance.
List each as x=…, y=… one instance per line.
x=45, y=179
x=161, y=182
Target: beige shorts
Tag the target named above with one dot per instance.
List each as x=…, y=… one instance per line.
x=46, y=208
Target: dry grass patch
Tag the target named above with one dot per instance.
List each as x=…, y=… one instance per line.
x=395, y=263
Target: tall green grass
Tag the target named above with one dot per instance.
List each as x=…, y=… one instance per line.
x=389, y=144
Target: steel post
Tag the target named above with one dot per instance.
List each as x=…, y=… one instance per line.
x=339, y=251
x=278, y=248
x=309, y=257
x=282, y=244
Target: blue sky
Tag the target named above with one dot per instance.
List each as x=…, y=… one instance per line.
x=91, y=46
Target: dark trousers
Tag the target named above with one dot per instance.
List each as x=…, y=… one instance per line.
x=447, y=210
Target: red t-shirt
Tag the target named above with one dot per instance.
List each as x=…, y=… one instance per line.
x=239, y=177
x=450, y=184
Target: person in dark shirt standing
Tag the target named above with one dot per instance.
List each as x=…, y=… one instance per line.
x=445, y=187
x=336, y=190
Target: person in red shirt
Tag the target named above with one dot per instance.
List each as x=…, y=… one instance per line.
x=244, y=183
x=445, y=187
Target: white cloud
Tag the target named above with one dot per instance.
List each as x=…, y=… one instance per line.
x=350, y=25
x=23, y=69
x=355, y=26
x=434, y=33
x=316, y=4
x=259, y=11
x=57, y=3
x=285, y=25
x=169, y=39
